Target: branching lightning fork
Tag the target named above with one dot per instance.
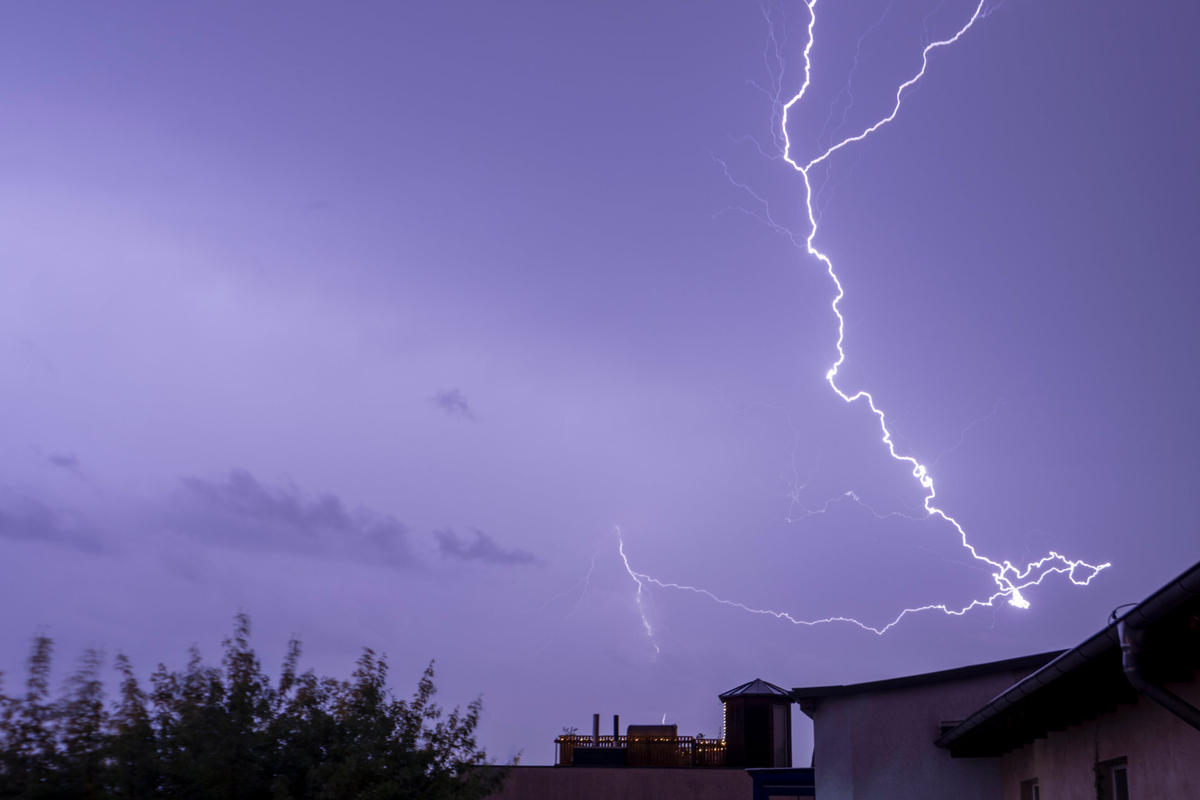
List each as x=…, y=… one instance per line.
x=1010, y=579
x=637, y=577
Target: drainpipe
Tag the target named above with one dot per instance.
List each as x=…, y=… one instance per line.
x=1131, y=651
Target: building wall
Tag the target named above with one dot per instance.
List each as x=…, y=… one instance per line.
x=625, y=783
x=880, y=744
x=1163, y=754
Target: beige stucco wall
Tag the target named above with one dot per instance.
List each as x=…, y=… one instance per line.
x=880, y=744
x=1163, y=753
x=625, y=783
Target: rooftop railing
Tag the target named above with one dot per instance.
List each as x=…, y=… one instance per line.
x=647, y=751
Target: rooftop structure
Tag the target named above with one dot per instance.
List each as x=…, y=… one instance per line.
x=1115, y=717
x=755, y=687
x=757, y=732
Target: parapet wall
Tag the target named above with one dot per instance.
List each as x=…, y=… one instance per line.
x=629, y=783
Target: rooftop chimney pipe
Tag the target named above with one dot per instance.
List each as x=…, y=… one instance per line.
x=595, y=730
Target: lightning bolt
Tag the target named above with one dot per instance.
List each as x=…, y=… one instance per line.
x=1009, y=579
x=637, y=578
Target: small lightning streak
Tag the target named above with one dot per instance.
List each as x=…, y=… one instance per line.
x=1010, y=580
x=962, y=437
x=583, y=583
x=637, y=578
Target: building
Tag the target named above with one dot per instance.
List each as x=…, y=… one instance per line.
x=752, y=760
x=1114, y=718
x=876, y=739
x=757, y=725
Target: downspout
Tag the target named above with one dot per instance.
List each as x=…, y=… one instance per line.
x=1131, y=650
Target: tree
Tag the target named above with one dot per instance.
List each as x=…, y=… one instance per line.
x=30, y=756
x=227, y=732
x=133, y=763
x=81, y=730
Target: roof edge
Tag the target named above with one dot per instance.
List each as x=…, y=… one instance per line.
x=1154, y=607
x=1034, y=661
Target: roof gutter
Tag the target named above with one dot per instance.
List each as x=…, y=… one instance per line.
x=1153, y=608
x=1131, y=651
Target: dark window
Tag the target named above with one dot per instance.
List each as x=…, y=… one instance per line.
x=1114, y=779
x=1030, y=790
x=1120, y=779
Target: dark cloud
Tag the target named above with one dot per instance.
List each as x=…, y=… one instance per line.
x=33, y=521
x=453, y=403
x=483, y=548
x=66, y=461
x=247, y=511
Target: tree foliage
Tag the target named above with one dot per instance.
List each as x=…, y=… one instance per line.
x=228, y=733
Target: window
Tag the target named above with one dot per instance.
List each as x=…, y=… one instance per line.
x=1120, y=780
x=1113, y=779
x=1030, y=790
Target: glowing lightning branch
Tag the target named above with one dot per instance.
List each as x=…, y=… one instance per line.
x=637, y=577
x=583, y=584
x=1006, y=575
x=1009, y=579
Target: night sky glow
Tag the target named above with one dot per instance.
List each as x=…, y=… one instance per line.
x=556, y=341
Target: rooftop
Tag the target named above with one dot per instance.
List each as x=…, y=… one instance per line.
x=924, y=679
x=1088, y=680
x=757, y=686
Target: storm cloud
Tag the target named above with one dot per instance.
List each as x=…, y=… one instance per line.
x=27, y=519
x=242, y=509
x=482, y=548
x=530, y=313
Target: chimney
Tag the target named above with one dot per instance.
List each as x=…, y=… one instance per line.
x=595, y=730
x=616, y=728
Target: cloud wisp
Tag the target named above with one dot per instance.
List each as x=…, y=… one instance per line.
x=68, y=462
x=26, y=519
x=482, y=548
x=247, y=511
x=243, y=511
x=454, y=403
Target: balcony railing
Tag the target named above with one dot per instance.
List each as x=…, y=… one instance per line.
x=648, y=751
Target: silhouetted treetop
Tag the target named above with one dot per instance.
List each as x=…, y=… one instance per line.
x=228, y=732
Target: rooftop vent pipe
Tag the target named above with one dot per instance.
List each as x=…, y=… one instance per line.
x=1131, y=651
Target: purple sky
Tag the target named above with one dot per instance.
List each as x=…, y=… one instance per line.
x=376, y=321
